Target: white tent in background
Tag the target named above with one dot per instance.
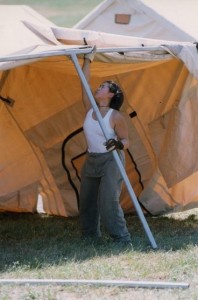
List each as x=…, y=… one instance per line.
x=173, y=20
x=42, y=142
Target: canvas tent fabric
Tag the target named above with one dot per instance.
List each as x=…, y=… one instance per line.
x=42, y=141
x=165, y=19
x=168, y=20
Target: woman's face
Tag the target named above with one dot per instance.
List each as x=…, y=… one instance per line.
x=102, y=91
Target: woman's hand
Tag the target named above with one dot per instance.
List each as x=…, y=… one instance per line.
x=113, y=144
x=91, y=55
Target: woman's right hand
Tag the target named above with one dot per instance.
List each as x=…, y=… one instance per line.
x=91, y=55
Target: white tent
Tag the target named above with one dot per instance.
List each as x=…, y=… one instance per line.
x=42, y=142
x=173, y=20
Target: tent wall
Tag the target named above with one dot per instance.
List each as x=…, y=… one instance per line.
x=158, y=20
x=47, y=114
x=43, y=145
x=164, y=19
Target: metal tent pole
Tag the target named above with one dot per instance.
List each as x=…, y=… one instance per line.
x=115, y=154
x=119, y=283
x=82, y=50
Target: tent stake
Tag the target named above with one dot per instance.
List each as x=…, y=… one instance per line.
x=117, y=283
x=115, y=154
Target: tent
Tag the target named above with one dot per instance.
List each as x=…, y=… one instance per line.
x=165, y=19
x=157, y=19
x=42, y=141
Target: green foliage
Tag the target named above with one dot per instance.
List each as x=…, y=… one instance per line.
x=61, y=12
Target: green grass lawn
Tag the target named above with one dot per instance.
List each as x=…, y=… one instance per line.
x=46, y=247
x=65, y=13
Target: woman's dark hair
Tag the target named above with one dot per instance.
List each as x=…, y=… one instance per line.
x=118, y=98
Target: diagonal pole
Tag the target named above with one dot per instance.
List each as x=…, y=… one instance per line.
x=115, y=154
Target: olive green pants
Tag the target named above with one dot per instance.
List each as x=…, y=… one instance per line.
x=101, y=184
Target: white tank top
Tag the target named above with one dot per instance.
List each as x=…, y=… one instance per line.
x=93, y=132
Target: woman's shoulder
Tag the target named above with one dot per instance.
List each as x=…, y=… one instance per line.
x=117, y=114
x=89, y=111
x=117, y=118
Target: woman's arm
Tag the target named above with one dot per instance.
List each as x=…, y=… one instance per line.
x=121, y=128
x=86, y=71
x=88, y=58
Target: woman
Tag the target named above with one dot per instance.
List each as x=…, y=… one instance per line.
x=101, y=180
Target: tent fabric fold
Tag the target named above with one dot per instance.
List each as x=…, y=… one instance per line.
x=43, y=145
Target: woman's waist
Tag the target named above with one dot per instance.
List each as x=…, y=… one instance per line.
x=100, y=154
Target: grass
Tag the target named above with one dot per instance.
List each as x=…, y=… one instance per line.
x=41, y=246
x=65, y=13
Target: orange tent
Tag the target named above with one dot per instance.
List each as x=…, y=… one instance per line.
x=42, y=142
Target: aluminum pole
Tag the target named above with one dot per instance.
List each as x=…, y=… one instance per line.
x=59, y=52
x=119, y=283
x=115, y=154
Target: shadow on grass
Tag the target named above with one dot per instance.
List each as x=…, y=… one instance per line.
x=40, y=240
